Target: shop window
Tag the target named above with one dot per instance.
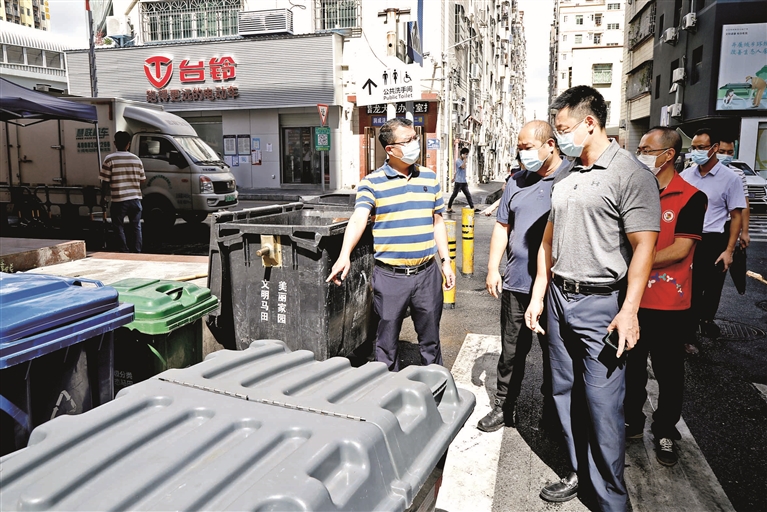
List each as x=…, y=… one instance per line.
x=301, y=162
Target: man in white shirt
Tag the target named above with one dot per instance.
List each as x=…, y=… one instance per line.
x=725, y=154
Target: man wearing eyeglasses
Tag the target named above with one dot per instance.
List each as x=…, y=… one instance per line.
x=664, y=310
x=597, y=251
x=713, y=256
x=410, y=244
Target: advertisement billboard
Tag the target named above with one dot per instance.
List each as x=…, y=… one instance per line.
x=743, y=68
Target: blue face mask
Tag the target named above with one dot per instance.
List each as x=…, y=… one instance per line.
x=566, y=143
x=699, y=156
x=724, y=159
x=530, y=160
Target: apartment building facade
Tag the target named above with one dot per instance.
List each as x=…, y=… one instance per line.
x=27, y=13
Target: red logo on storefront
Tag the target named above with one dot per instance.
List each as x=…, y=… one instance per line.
x=158, y=75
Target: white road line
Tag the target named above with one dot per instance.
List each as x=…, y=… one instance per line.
x=762, y=389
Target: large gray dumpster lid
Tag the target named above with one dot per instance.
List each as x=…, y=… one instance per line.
x=217, y=436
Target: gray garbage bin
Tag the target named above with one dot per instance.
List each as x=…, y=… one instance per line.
x=259, y=429
x=282, y=294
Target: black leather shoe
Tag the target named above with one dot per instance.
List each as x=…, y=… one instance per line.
x=563, y=490
x=497, y=418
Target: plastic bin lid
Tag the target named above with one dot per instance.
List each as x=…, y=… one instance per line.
x=162, y=306
x=161, y=446
x=31, y=347
x=419, y=410
x=34, y=303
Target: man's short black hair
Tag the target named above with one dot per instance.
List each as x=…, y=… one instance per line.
x=727, y=137
x=386, y=135
x=122, y=139
x=713, y=137
x=582, y=101
x=669, y=137
x=464, y=151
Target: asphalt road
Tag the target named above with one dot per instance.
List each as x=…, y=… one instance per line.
x=724, y=407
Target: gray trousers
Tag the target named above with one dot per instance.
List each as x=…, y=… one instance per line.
x=392, y=294
x=589, y=385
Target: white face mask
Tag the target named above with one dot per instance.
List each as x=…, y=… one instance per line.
x=410, y=152
x=566, y=142
x=531, y=160
x=649, y=162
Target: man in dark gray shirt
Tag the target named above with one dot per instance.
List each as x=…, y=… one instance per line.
x=522, y=215
x=598, y=249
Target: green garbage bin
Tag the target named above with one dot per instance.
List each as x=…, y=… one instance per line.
x=166, y=332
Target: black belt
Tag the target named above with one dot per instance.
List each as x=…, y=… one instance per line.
x=408, y=271
x=569, y=286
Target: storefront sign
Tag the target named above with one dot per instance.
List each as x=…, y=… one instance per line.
x=380, y=120
x=196, y=94
x=159, y=70
x=419, y=107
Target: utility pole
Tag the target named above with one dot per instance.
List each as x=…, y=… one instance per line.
x=92, y=53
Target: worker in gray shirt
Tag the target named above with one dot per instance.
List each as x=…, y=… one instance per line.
x=597, y=251
x=522, y=215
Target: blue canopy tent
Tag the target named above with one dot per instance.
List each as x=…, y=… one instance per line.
x=19, y=103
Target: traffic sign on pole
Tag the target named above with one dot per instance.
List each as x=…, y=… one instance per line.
x=323, y=110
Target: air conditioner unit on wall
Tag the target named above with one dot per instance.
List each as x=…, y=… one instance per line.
x=118, y=26
x=669, y=36
x=689, y=21
x=271, y=21
x=675, y=110
x=677, y=76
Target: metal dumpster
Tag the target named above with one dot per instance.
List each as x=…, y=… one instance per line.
x=268, y=268
x=259, y=429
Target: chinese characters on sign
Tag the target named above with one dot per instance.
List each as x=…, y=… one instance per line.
x=743, y=67
x=196, y=94
x=159, y=71
x=282, y=301
x=419, y=107
x=86, y=140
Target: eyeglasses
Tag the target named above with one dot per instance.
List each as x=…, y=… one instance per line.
x=415, y=138
x=702, y=147
x=647, y=151
x=570, y=130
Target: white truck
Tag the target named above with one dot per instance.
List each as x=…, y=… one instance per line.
x=57, y=162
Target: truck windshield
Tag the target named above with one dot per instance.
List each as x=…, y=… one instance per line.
x=198, y=150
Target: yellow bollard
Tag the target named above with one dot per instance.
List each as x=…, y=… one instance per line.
x=448, y=296
x=467, y=232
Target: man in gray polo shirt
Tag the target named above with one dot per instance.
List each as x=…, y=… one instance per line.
x=522, y=215
x=598, y=249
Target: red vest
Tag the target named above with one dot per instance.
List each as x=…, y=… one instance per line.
x=670, y=288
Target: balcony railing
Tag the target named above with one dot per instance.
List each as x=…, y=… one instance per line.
x=344, y=16
x=168, y=20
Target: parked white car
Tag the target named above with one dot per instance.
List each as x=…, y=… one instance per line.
x=757, y=186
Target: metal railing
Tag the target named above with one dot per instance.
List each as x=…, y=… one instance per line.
x=168, y=20
x=337, y=14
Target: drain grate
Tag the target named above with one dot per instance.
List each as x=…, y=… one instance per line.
x=762, y=304
x=735, y=331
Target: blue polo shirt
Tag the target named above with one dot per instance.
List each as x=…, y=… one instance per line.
x=724, y=191
x=403, y=208
x=525, y=207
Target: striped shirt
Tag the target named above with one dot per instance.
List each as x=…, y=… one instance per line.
x=124, y=172
x=403, y=208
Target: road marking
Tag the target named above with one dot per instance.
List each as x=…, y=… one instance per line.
x=470, y=472
x=762, y=389
x=757, y=227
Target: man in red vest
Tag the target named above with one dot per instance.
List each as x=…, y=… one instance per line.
x=664, y=313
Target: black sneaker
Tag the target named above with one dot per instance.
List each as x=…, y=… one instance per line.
x=664, y=452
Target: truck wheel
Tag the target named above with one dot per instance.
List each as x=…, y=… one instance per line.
x=194, y=217
x=158, y=212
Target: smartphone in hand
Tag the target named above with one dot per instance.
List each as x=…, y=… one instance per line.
x=611, y=339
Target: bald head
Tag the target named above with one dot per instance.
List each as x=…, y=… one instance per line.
x=537, y=130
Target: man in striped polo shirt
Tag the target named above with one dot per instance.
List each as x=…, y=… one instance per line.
x=410, y=243
x=121, y=176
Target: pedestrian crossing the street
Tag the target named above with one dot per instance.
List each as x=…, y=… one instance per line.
x=757, y=227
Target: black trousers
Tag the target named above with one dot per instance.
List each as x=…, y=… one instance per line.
x=707, y=278
x=663, y=334
x=459, y=187
x=516, y=342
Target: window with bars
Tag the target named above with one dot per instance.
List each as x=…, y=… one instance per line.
x=614, y=7
x=579, y=19
x=337, y=14
x=602, y=74
x=597, y=38
x=598, y=20
x=613, y=26
x=578, y=38
x=168, y=20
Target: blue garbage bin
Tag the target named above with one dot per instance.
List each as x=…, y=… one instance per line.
x=56, y=350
